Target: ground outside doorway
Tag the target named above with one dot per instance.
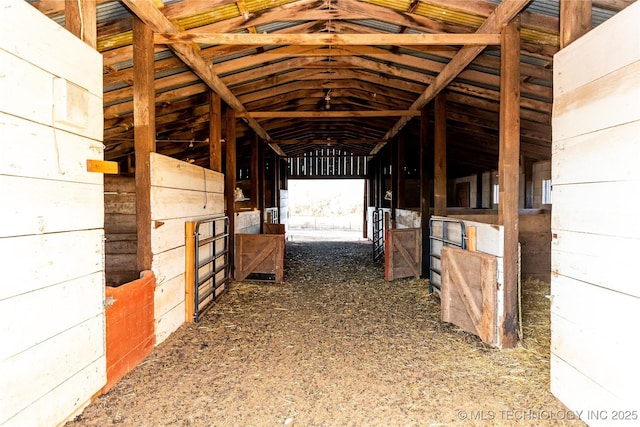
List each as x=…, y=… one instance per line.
x=336, y=345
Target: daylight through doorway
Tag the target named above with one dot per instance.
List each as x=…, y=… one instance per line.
x=327, y=209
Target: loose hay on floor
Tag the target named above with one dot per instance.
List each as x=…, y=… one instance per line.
x=336, y=345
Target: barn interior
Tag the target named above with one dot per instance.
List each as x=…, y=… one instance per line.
x=195, y=114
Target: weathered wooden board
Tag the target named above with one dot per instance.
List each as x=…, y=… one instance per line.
x=489, y=236
x=169, y=322
x=613, y=211
x=406, y=218
x=36, y=152
x=119, y=184
x=168, y=264
x=28, y=93
x=43, y=260
x=167, y=234
x=70, y=369
x=173, y=173
x=38, y=206
x=402, y=253
x=269, y=228
x=53, y=212
x=589, y=107
x=119, y=203
x=247, y=222
x=595, y=301
x=468, y=294
x=167, y=203
x=64, y=314
x=598, y=162
x=582, y=394
x=180, y=192
x=590, y=351
x=119, y=223
x=260, y=253
x=611, y=260
x=582, y=62
x=169, y=294
x=49, y=47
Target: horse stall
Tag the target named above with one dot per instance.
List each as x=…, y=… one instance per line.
x=595, y=297
x=259, y=256
x=143, y=308
x=466, y=261
x=52, y=356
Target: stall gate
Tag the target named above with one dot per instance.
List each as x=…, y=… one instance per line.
x=207, y=264
x=378, y=234
x=443, y=232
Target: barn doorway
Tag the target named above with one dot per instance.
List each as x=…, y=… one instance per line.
x=326, y=209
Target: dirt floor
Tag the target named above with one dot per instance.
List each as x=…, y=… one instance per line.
x=336, y=345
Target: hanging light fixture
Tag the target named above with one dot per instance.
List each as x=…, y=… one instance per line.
x=327, y=99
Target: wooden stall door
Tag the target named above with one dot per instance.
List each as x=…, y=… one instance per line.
x=260, y=253
x=403, y=253
x=468, y=292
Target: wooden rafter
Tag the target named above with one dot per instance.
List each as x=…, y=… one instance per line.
x=501, y=15
x=483, y=39
x=155, y=19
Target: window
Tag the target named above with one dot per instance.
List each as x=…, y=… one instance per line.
x=496, y=189
x=546, y=191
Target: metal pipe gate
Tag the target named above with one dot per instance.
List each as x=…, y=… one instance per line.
x=207, y=264
x=438, y=238
x=378, y=234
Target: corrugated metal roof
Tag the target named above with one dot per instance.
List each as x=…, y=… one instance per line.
x=403, y=5
x=379, y=25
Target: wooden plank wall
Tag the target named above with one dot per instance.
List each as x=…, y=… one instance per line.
x=247, y=222
x=595, y=295
x=535, y=235
x=120, y=230
x=52, y=355
x=541, y=171
x=180, y=192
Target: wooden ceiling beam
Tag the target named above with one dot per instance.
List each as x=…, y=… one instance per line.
x=500, y=16
x=329, y=114
x=152, y=16
x=330, y=39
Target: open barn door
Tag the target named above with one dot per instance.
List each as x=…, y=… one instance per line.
x=403, y=253
x=468, y=293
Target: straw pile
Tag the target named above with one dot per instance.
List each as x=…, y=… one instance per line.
x=336, y=345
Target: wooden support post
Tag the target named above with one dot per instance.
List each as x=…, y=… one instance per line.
x=261, y=181
x=394, y=178
x=80, y=20
x=528, y=183
x=253, y=171
x=144, y=135
x=479, y=188
x=401, y=161
x=440, y=155
x=230, y=183
x=189, y=271
x=215, y=132
x=276, y=182
x=472, y=241
x=509, y=175
x=426, y=165
x=575, y=20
